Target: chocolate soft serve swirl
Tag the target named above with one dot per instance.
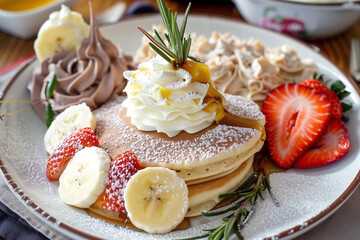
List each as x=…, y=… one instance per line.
x=92, y=74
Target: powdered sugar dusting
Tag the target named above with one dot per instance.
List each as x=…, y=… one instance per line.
x=242, y=106
x=115, y=136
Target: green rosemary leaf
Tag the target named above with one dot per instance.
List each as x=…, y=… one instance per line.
x=164, y=49
x=168, y=39
x=163, y=55
x=158, y=38
x=184, y=22
x=50, y=88
x=250, y=181
x=164, y=13
x=197, y=237
x=187, y=46
x=49, y=114
x=219, y=233
x=217, y=213
x=337, y=86
x=346, y=106
x=236, y=193
x=229, y=227
x=178, y=47
x=195, y=59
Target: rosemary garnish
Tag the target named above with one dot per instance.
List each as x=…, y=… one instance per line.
x=242, y=209
x=178, y=47
x=49, y=114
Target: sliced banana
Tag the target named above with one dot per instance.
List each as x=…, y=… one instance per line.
x=156, y=199
x=64, y=30
x=85, y=177
x=70, y=120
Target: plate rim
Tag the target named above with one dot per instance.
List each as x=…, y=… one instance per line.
x=292, y=232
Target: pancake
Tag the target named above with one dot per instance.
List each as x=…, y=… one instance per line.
x=185, y=151
x=210, y=171
x=204, y=196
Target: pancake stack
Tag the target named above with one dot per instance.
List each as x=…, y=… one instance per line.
x=213, y=161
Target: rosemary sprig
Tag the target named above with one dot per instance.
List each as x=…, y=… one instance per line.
x=242, y=209
x=178, y=47
x=49, y=114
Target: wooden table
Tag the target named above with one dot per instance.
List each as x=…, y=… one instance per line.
x=336, y=48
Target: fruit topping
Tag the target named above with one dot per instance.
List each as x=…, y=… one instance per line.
x=121, y=170
x=73, y=118
x=336, y=107
x=65, y=151
x=64, y=30
x=156, y=199
x=85, y=177
x=296, y=116
x=333, y=145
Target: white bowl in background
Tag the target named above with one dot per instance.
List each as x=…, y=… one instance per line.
x=26, y=24
x=300, y=19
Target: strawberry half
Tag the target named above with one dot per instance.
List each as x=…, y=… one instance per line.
x=122, y=169
x=333, y=145
x=65, y=151
x=336, y=107
x=296, y=116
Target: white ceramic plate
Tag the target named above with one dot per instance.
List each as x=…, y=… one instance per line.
x=306, y=196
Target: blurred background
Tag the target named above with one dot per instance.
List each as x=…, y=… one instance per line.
x=329, y=28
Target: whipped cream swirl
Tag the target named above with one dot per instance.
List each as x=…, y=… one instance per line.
x=165, y=99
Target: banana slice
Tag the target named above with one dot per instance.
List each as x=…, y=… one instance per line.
x=73, y=118
x=156, y=199
x=85, y=177
x=64, y=30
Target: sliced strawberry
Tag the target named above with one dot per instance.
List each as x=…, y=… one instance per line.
x=333, y=145
x=295, y=118
x=122, y=169
x=315, y=84
x=336, y=107
x=64, y=152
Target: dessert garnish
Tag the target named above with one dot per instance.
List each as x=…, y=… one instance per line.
x=73, y=118
x=303, y=126
x=84, y=177
x=92, y=73
x=296, y=116
x=122, y=168
x=171, y=94
x=333, y=145
x=178, y=47
x=63, y=31
x=66, y=150
x=244, y=200
x=156, y=199
x=335, y=93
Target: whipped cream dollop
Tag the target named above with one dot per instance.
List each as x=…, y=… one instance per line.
x=92, y=74
x=167, y=100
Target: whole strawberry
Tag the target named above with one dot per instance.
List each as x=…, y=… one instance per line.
x=65, y=151
x=121, y=170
